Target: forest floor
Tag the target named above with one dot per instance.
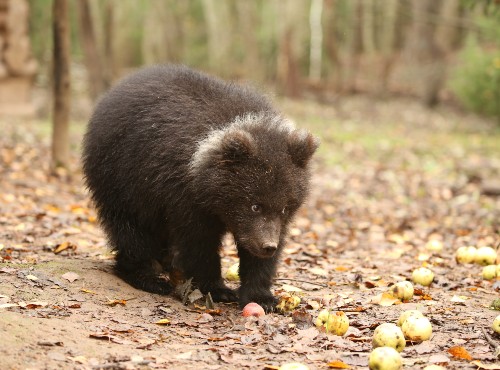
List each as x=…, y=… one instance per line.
x=389, y=177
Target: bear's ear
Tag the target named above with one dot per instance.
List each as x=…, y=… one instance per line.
x=301, y=147
x=237, y=145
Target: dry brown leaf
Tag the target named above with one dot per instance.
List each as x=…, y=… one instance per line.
x=63, y=246
x=32, y=305
x=114, y=302
x=460, y=352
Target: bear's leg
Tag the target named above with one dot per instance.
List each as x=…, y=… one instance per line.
x=256, y=276
x=136, y=259
x=199, y=258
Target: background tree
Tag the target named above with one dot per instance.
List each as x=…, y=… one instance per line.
x=61, y=69
x=377, y=47
x=92, y=57
x=425, y=50
x=315, y=58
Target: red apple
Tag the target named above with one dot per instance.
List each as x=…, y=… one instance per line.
x=253, y=309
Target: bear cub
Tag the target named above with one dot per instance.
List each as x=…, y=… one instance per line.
x=174, y=159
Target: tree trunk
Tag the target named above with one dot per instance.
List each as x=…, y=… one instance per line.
x=248, y=21
x=218, y=29
x=90, y=52
x=450, y=31
x=60, y=131
x=387, y=45
x=109, y=57
x=355, y=45
x=368, y=26
x=315, y=55
x=332, y=44
x=424, y=50
x=287, y=65
x=154, y=43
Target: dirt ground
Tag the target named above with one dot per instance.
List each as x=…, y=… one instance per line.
x=374, y=206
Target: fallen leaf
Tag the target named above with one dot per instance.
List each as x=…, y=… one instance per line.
x=63, y=246
x=460, y=352
x=114, y=302
x=184, y=356
x=385, y=299
x=318, y=271
x=163, y=322
x=87, y=291
x=110, y=337
x=71, y=231
x=342, y=268
x=338, y=365
x=31, y=277
x=8, y=270
x=439, y=359
x=80, y=359
x=71, y=276
x=290, y=288
x=32, y=305
x=8, y=305
x=459, y=299
x=480, y=365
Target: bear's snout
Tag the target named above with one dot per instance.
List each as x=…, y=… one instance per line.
x=270, y=248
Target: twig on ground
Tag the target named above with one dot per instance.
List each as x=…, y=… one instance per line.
x=496, y=347
x=303, y=281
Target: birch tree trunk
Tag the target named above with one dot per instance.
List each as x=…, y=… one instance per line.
x=61, y=109
x=315, y=54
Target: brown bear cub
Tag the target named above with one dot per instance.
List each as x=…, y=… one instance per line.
x=174, y=159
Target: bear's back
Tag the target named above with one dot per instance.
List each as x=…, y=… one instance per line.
x=147, y=128
x=176, y=96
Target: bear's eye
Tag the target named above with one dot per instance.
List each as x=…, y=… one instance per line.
x=256, y=208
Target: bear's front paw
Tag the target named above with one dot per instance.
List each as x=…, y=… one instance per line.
x=224, y=294
x=267, y=301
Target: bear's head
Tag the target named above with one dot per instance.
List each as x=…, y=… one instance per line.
x=254, y=175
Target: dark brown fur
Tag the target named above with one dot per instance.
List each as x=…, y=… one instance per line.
x=174, y=159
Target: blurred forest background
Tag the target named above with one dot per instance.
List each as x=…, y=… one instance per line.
x=432, y=50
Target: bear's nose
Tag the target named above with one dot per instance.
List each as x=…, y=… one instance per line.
x=270, y=247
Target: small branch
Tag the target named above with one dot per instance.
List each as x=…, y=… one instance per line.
x=494, y=344
x=303, y=281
